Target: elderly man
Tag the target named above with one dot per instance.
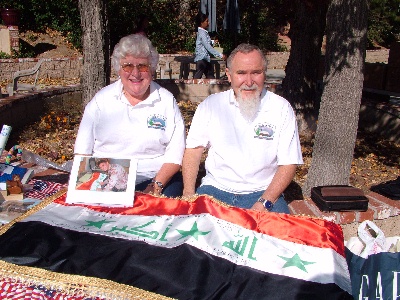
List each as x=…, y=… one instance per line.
x=252, y=139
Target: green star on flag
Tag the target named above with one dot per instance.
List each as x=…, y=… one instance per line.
x=296, y=261
x=97, y=224
x=194, y=232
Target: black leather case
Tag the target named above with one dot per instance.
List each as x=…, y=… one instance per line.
x=339, y=198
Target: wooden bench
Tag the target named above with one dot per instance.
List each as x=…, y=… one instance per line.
x=187, y=61
x=166, y=69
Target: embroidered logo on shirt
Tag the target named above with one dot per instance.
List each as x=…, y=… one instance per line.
x=264, y=131
x=156, y=122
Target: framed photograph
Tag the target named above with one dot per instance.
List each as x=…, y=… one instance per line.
x=102, y=181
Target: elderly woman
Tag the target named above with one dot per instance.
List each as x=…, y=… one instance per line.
x=135, y=117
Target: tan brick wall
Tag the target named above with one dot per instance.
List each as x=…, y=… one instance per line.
x=72, y=67
x=194, y=90
x=52, y=68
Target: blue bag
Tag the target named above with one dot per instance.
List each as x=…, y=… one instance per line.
x=374, y=277
x=374, y=264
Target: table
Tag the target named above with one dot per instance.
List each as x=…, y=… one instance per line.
x=184, y=67
x=185, y=62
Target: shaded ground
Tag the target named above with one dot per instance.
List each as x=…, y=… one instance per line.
x=375, y=160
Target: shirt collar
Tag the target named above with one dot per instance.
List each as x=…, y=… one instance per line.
x=153, y=97
x=201, y=28
x=264, y=98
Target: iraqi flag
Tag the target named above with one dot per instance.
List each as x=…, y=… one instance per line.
x=165, y=248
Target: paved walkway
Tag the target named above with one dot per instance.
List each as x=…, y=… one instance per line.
x=275, y=75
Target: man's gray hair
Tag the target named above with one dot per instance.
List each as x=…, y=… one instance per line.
x=136, y=45
x=246, y=48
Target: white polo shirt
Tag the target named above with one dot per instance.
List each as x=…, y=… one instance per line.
x=244, y=156
x=152, y=131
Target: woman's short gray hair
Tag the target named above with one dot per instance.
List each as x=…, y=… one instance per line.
x=136, y=45
x=246, y=48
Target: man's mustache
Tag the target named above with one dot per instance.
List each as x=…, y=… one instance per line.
x=248, y=88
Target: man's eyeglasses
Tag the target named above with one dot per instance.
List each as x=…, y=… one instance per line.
x=128, y=67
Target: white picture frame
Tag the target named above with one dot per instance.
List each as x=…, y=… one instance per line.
x=84, y=188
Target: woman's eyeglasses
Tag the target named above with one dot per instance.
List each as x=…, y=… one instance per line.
x=128, y=67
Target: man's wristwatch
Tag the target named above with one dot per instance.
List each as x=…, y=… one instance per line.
x=158, y=183
x=267, y=203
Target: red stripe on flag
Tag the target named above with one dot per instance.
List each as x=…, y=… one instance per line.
x=282, y=226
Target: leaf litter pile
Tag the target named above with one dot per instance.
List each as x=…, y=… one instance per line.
x=376, y=160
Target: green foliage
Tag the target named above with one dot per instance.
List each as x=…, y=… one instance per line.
x=383, y=22
x=11, y=4
x=171, y=32
x=25, y=50
x=190, y=43
x=4, y=55
x=16, y=54
x=168, y=30
x=60, y=15
x=260, y=23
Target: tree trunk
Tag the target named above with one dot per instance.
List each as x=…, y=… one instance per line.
x=343, y=81
x=300, y=83
x=96, y=47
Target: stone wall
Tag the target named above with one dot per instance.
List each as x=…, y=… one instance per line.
x=54, y=68
x=194, y=90
x=71, y=67
x=51, y=68
x=382, y=68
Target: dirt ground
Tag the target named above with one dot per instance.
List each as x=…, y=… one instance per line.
x=50, y=44
x=376, y=160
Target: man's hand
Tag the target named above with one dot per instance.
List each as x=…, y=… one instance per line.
x=258, y=206
x=190, y=169
x=188, y=193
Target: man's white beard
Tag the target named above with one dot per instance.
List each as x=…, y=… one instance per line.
x=248, y=107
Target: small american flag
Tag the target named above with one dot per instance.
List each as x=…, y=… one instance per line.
x=10, y=289
x=43, y=189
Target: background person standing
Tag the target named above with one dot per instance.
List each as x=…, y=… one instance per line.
x=204, y=48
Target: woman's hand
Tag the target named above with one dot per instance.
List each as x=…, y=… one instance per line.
x=153, y=188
